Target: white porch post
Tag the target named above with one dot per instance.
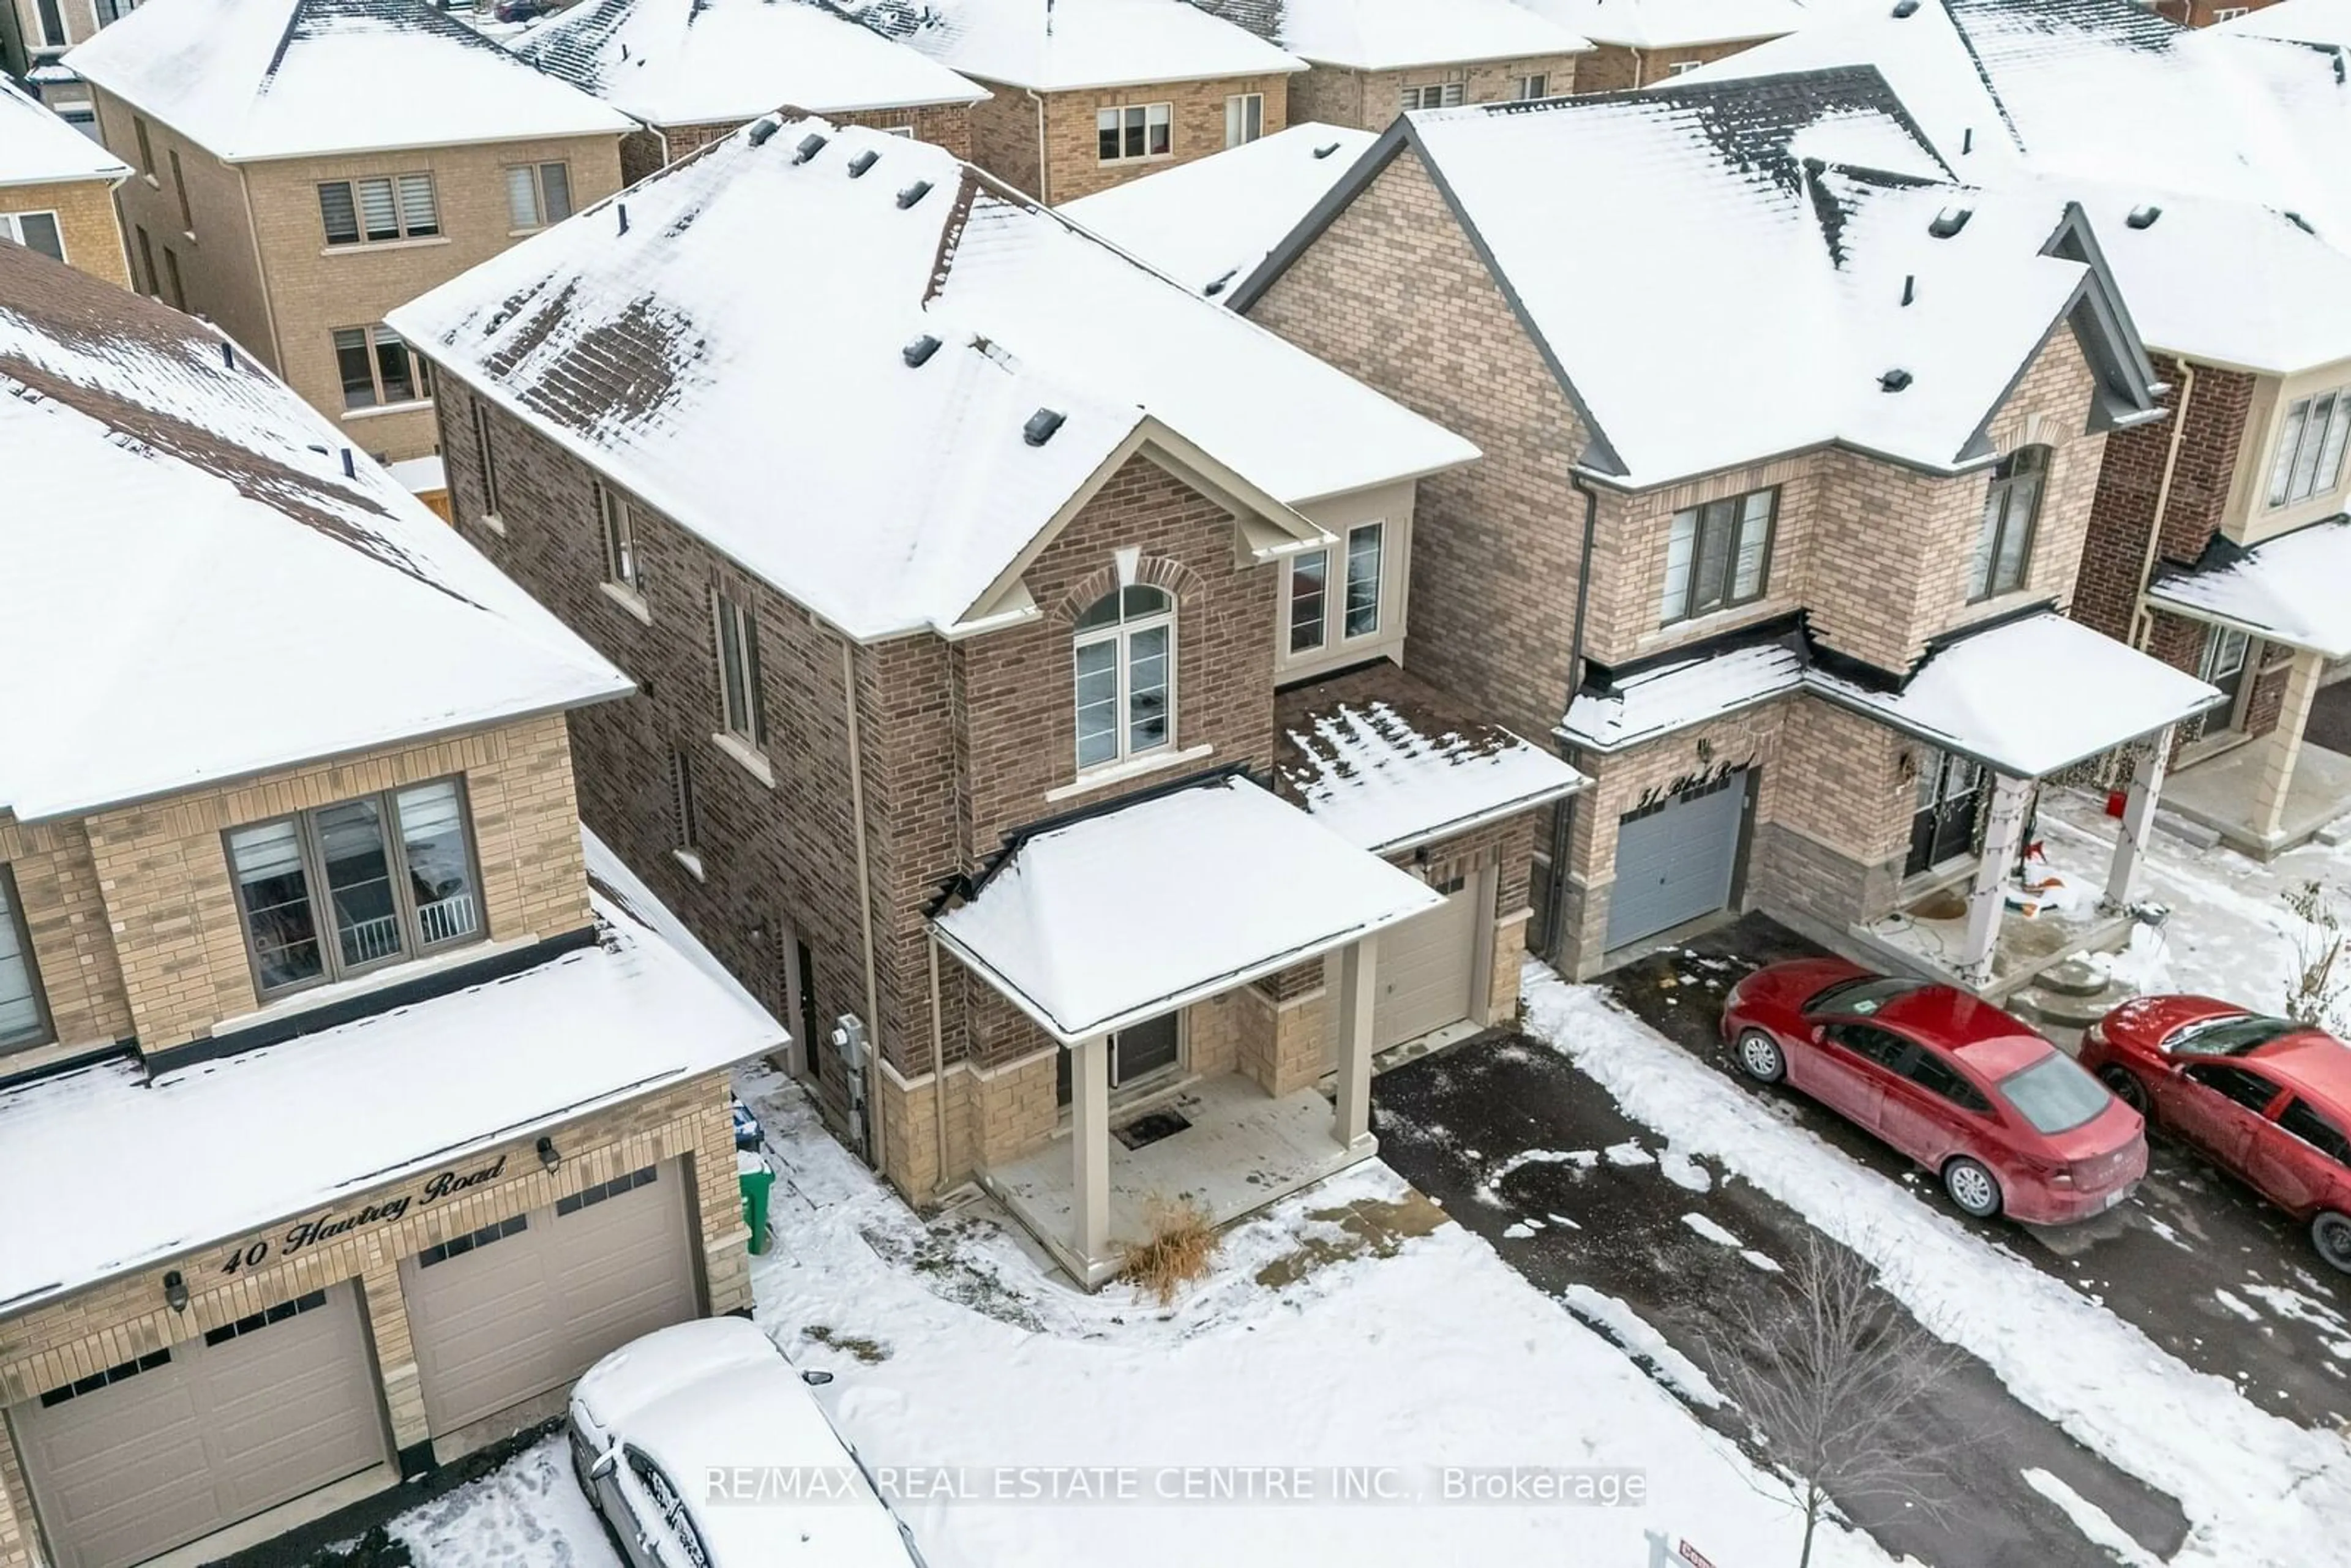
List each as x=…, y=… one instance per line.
x=1358, y=980
x=1985, y=900
x=2276, y=782
x=1090, y=1141
x=2138, y=819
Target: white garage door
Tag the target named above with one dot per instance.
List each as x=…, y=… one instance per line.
x=1425, y=968
x=159, y=1451
x=528, y=1304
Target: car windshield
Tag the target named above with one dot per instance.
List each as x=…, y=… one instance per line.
x=2055, y=1094
x=1862, y=996
x=2230, y=1035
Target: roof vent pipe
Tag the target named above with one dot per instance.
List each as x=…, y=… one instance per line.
x=228, y=354
x=1909, y=287
x=624, y=216
x=350, y=469
x=1330, y=147
x=1968, y=139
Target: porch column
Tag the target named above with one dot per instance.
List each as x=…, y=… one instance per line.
x=1986, y=899
x=2276, y=779
x=1090, y=1141
x=2138, y=819
x=1358, y=977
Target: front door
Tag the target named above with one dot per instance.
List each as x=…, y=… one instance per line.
x=2227, y=656
x=1944, y=827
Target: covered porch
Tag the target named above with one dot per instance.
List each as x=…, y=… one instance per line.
x=2277, y=789
x=1241, y=887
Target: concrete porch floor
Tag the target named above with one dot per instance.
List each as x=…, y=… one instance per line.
x=1243, y=1150
x=2025, y=946
x=2218, y=792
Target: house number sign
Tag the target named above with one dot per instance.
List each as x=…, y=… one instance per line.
x=331, y=1226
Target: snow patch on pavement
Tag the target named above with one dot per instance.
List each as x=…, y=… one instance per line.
x=1628, y=1153
x=1631, y=1331
x=2091, y=1520
x=1710, y=1229
x=528, y=1514
x=1685, y=1171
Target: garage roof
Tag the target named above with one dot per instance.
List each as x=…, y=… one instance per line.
x=2285, y=590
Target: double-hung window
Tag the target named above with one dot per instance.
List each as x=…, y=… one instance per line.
x=34, y=231
x=53, y=24
x=376, y=368
x=23, y=1018
x=343, y=889
x=1322, y=613
x=620, y=525
x=1135, y=130
x=378, y=209
x=1244, y=118
x=1433, y=95
x=2004, y=556
x=537, y=194
x=1719, y=555
x=1124, y=651
x=742, y=707
x=2309, y=460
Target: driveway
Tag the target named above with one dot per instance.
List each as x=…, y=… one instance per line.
x=1669, y=1241
x=2193, y=1259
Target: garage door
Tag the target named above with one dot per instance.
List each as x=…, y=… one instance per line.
x=530, y=1303
x=156, y=1452
x=1674, y=861
x=1426, y=966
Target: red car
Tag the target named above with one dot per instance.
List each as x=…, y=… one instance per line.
x=2266, y=1099
x=2005, y=1119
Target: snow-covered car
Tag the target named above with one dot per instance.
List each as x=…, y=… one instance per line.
x=702, y=1448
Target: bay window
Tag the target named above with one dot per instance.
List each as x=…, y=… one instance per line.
x=2309, y=460
x=1322, y=614
x=1719, y=555
x=1123, y=651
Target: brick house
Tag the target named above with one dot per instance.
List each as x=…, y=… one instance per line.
x=282, y=191
x=35, y=33
x=56, y=189
x=1370, y=60
x=1038, y=588
x=690, y=71
x=344, y=1119
x=1638, y=43
x=1088, y=94
x=2243, y=185
x=1780, y=613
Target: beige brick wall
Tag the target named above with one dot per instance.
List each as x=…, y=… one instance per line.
x=1612, y=67
x=1370, y=101
x=1004, y=132
x=164, y=870
x=86, y=222
x=64, y=914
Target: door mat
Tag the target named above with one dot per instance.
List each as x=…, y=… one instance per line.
x=1150, y=1129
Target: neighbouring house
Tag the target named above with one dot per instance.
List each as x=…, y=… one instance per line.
x=689, y=71
x=1021, y=643
x=2206, y=14
x=56, y=190
x=1775, y=542
x=344, y=1118
x=1087, y=94
x=1209, y=225
x=283, y=191
x=2326, y=23
x=2198, y=155
x=1370, y=60
x=1637, y=43
x=34, y=34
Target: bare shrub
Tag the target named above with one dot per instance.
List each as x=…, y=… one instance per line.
x=1179, y=1250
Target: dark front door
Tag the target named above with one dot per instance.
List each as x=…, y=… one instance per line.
x=1949, y=788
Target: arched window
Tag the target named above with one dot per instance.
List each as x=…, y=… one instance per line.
x=1124, y=647
x=2005, y=549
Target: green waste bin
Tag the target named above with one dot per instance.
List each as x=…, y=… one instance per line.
x=752, y=1174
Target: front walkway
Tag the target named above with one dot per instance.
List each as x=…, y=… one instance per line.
x=2221, y=793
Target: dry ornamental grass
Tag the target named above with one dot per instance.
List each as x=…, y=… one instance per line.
x=1179, y=1250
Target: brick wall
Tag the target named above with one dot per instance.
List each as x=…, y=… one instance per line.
x=65, y=915
x=947, y=125
x=1612, y=67
x=1370, y=101
x=1004, y=136
x=87, y=224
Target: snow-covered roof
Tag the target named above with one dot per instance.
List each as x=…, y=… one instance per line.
x=703, y=62
x=419, y=1088
x=1678, y=690
x=1241, y=884
x=249, y=80
x=1209, y=222
x=2326, y=21
x=36, y=148
x=2293, y=589
x=1386, y=762
x=156, y=471
x=2028, y=696
x=420, y=476
x=1675, y=23
x=1798, y=287
x=1390, y=34
x=1074, y=43
x=744, y=358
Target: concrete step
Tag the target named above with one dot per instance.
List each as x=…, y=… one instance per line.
x=2186, y=832
x=2065, y=1009
x=2072, y=978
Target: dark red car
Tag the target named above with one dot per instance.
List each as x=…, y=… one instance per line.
x=2005, y=1119
x=2266, y=1099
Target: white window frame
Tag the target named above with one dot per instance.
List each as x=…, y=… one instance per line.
x=531, y=179
x=400, y=189
x=2230, y=13
x=1533, y=85
x=11, y=229
x=1433, y=95
x=1676, y=68
x=1244, y=118
x=1115, y=119
x=2299, y=434
x=741, y=695
x=1123, y=633
x=616, y=522
x=1303, y=638
x=1682, y=594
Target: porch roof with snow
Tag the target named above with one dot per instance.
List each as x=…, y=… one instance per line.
x=359, y=1105
x=1656, y=697
x=826, y=351
x=1388, y=763
x=2027, y=695
x=36, y=148
x=1074, y=46
x=1124, y=914
x=2294, y=588
x=1390, y=34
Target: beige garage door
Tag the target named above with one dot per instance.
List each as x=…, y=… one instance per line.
x=1426, y=966
x=523, y=1306
x=156, y=1452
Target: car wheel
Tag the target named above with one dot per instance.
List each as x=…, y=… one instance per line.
x=1973, y=1188
x=1760, y=1058
x=2331, y=1234
x=2126, y=1086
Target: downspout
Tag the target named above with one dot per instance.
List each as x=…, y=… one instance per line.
x=2142, y=618
x=1637, y=65
x=865, y=905
x=1562, y=815
x=1044, y=165
x=938, y=1064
